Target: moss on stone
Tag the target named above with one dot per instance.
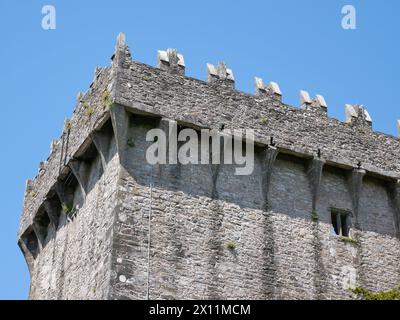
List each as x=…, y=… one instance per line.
x=88, y=108
x=314, y=216
x=67, y=208
x=366, y=294
x=231, y=245
x=348, y=240
x=106, y=99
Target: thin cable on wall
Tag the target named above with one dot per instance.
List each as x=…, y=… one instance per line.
x=149, y=235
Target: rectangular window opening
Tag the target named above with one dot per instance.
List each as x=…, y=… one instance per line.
x=341, y=222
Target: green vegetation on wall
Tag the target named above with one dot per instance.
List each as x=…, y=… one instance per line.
x=366, y=294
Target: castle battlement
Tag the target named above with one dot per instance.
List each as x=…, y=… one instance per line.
x=98, y=139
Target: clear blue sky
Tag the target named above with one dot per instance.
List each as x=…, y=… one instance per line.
x=298, y=43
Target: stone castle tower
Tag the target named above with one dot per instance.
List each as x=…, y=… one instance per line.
x=319, y=214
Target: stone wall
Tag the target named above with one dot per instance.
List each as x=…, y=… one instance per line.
x=212, y=234
x=74, y=264
x=188, y=100
x=280, y=254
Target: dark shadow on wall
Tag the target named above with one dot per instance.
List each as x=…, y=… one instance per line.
x=289, y=192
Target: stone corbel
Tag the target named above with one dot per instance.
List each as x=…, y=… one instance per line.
x=28, y=254
x=356, y=184
x=269, y=158
x=394, y=193
x=37, y=231
x=62, y=193
x=53, y=213
x=120, y=123
x=314, y=173
x=80, y=171
x=102, y=143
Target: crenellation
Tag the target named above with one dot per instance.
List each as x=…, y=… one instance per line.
x=28, y=186
x=98, y=175
x=317, y=105
x=97, y=72
x=122, y=56
x=271, y=90
x=320, y=100
x=171, y=61
x=121, y=39
x=220, y=74
x=55, y=144
x=274, y=88
x=67, y=125
x=42, y=168
x=305, y=99
x=398, y=128
x=79, y=96
x=357, y=115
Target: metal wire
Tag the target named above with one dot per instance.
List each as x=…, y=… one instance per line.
x=149, y=234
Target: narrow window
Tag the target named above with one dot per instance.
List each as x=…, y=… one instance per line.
x=341, y=223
